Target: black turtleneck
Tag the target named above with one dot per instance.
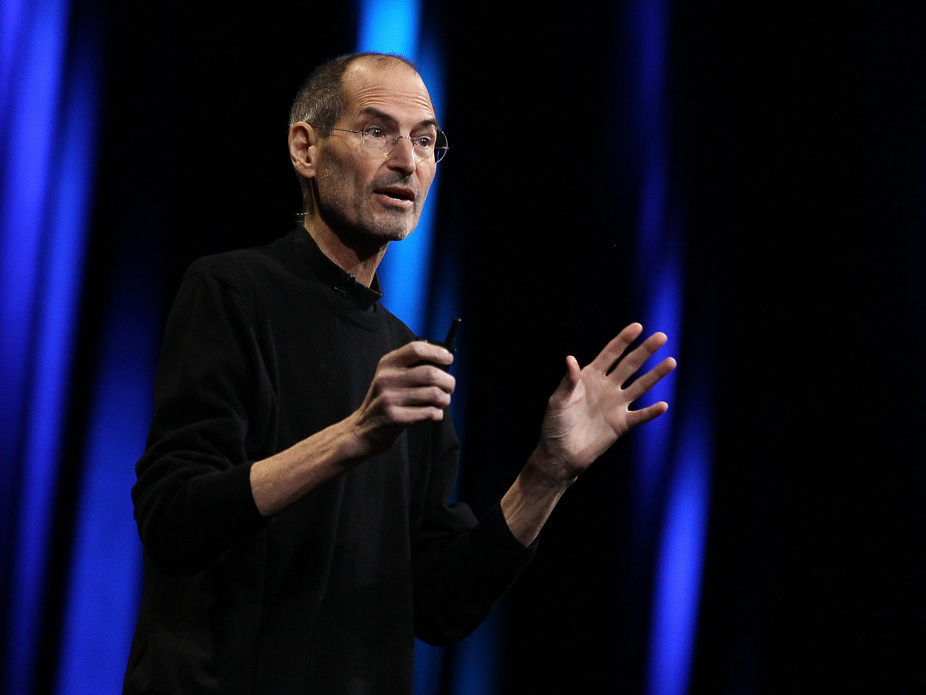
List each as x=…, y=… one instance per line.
x=263, y=348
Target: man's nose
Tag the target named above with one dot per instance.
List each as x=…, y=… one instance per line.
x=402, y=156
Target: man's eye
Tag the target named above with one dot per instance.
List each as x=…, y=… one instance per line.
x=425, y=141
x=374, y=131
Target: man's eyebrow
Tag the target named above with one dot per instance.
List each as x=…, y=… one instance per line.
x=373, y=111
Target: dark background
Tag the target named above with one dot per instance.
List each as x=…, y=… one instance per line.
x=799, y=144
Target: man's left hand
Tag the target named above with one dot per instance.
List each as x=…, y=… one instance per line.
x=590, y=410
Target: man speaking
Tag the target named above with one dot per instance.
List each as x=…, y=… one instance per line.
x=293, y=498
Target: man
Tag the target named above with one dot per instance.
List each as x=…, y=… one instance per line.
x=293, y=500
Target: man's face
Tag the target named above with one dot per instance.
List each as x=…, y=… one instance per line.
x=365, y=196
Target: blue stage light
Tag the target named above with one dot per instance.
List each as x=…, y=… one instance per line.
x=48, y=125
x=673, y=453
x=408, y=282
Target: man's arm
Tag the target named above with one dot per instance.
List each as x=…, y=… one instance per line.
x=401, y=394
x=588, y=412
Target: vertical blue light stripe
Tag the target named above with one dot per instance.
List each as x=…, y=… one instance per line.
x=406, y=270
x=477, y=666
x=102, y=600
x=70, y=194
x=405, y=273
x=408, y=283
x=42, y=243
x=429, y=668
x=681, y=558
x=11, y=29
x=33, y=73
x=660, y=275
x=671, y=472
x=389, y=26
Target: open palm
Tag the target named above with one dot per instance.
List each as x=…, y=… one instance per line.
x=590, y=410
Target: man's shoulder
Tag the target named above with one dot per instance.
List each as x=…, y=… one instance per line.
x=263, y=255
x=247, y=265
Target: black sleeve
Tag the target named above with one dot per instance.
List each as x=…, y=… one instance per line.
x=461, y=567
x=213, y=399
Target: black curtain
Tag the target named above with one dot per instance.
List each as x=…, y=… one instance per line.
x=798, y=137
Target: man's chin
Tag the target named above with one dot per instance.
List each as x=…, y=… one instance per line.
x=397, y=235
x=393, y=228
x=374, y=236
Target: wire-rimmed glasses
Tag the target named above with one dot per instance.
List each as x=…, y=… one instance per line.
x=375, y=139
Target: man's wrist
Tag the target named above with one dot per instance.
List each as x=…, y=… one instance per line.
x=364, y=438
x=546, y=469
x=530, y=500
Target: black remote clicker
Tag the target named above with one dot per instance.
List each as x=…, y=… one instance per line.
x=448, y=343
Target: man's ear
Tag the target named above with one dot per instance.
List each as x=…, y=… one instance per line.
x=303, y=140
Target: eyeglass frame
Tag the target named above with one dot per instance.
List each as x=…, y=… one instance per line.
x=395, y=141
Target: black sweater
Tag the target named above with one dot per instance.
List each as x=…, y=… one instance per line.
x=263, y=348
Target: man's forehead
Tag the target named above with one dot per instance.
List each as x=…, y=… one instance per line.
x=389, y=86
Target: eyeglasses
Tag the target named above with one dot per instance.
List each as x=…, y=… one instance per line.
x=375, y=139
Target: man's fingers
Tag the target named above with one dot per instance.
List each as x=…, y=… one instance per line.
x=414, y=365
x=424, y=396
x=391, y=406
x=415, y=404
x=573, y=373
x=612, y=351
x=419, y=351
x=635, y=359
x=650, y=379
x=644, y=415
x=413, y=385
x=568, y=384
x=408, y=387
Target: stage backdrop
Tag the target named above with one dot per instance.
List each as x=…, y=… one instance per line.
x=750, y=180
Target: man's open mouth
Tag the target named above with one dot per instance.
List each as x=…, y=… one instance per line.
x=397, y=193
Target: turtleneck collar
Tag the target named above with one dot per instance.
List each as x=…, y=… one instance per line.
x=333, y=275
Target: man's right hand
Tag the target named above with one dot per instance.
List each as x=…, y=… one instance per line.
x=405, y=390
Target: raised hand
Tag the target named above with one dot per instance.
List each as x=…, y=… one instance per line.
x=590, y=410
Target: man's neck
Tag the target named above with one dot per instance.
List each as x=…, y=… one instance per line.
x=361, y=263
